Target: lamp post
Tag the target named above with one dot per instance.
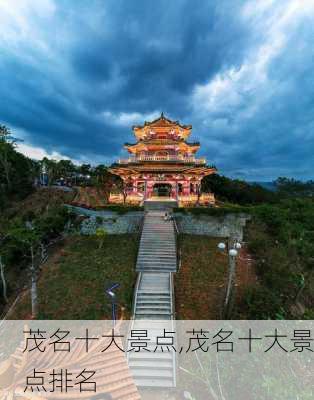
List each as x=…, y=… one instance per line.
x=110, y=292
x=232, y=248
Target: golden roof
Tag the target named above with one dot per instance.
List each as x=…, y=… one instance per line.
x=162, y=125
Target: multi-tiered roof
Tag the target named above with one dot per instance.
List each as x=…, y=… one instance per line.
x=162, y=146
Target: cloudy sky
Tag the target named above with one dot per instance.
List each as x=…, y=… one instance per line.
x=75, y=75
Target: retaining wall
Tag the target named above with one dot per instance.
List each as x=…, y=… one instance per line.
x=112, y=222
x=230, y=225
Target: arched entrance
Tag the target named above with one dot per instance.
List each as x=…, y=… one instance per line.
x=162, y=189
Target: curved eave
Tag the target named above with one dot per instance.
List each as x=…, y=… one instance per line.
x=202, y=170
x=136, y=169
x=134, y=148
x=116, y=169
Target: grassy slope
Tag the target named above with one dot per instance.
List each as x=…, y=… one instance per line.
x=201, y=280
x=72, y=282
x=39, y=202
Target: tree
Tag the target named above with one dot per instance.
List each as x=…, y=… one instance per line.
x=101, y=235
x=6, y=146
x=16, y=170
x=29, y=238
x=3, y=253
x=237, y=191
x=85, y=169
x=287, y=187
x=65, y=168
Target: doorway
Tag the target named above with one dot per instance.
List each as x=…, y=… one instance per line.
x=162, y=189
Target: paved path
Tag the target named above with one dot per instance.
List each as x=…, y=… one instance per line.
x=157, y=260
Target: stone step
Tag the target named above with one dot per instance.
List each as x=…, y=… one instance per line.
x=156, y=301
x=157, y=290
x=152, y=302
x=156, y=263
x=164, y=229
x=152, y=313
x=150, y=356
x=153, y=364
x=153, y=295
x=156, y=268
x=156, y=256
x=154, y=277
x=160, y=254
x=156, y=248
x=156, y=373
x=166, y=269
x=164, y=306
x=146, y=382
x=153, y=318
x=161, y=314
x=156, y=259
x=160, y=247
x=155, y=240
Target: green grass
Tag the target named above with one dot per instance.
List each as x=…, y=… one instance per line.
x=200, y=283
x=72, y=283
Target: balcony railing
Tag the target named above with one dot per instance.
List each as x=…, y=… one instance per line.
x=185, y=160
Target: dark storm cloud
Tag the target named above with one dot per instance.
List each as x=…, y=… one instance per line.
x=76, y=75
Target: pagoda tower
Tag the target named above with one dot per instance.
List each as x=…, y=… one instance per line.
x=163, y=165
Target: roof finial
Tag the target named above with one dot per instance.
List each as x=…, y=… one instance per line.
x=162, y=115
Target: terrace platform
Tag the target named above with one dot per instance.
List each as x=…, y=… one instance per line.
x=160, y=204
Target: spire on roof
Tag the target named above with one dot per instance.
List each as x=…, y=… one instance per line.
x=162, y=115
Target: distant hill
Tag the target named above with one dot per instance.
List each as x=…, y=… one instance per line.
x=266, y=185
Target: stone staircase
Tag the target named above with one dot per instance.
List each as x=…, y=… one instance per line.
x=153, y=301
x=155, y=368
x=154, y=296
x=157, y=252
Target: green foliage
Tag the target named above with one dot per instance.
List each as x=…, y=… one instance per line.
x=16, y=171
x=101, y=234
x=237, y=191
x=287, y=187
x=280, y=238
x=99, y=220
x=26, y=230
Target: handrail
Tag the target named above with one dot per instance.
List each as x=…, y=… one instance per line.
x=176, y=226
x=137, y=285
x=177, y=247
x=139, y=276
x=173, y=319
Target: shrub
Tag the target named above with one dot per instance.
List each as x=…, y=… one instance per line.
x=261, y=303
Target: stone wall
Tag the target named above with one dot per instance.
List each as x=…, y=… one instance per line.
x=230, y=225
x=112, y=222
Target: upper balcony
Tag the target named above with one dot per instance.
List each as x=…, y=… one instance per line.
x=168, y=158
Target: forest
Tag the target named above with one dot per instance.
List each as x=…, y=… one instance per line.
x=280, y=235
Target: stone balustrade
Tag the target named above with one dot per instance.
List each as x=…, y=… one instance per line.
x=186, y=160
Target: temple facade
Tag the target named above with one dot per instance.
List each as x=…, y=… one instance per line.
x=163, y=165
